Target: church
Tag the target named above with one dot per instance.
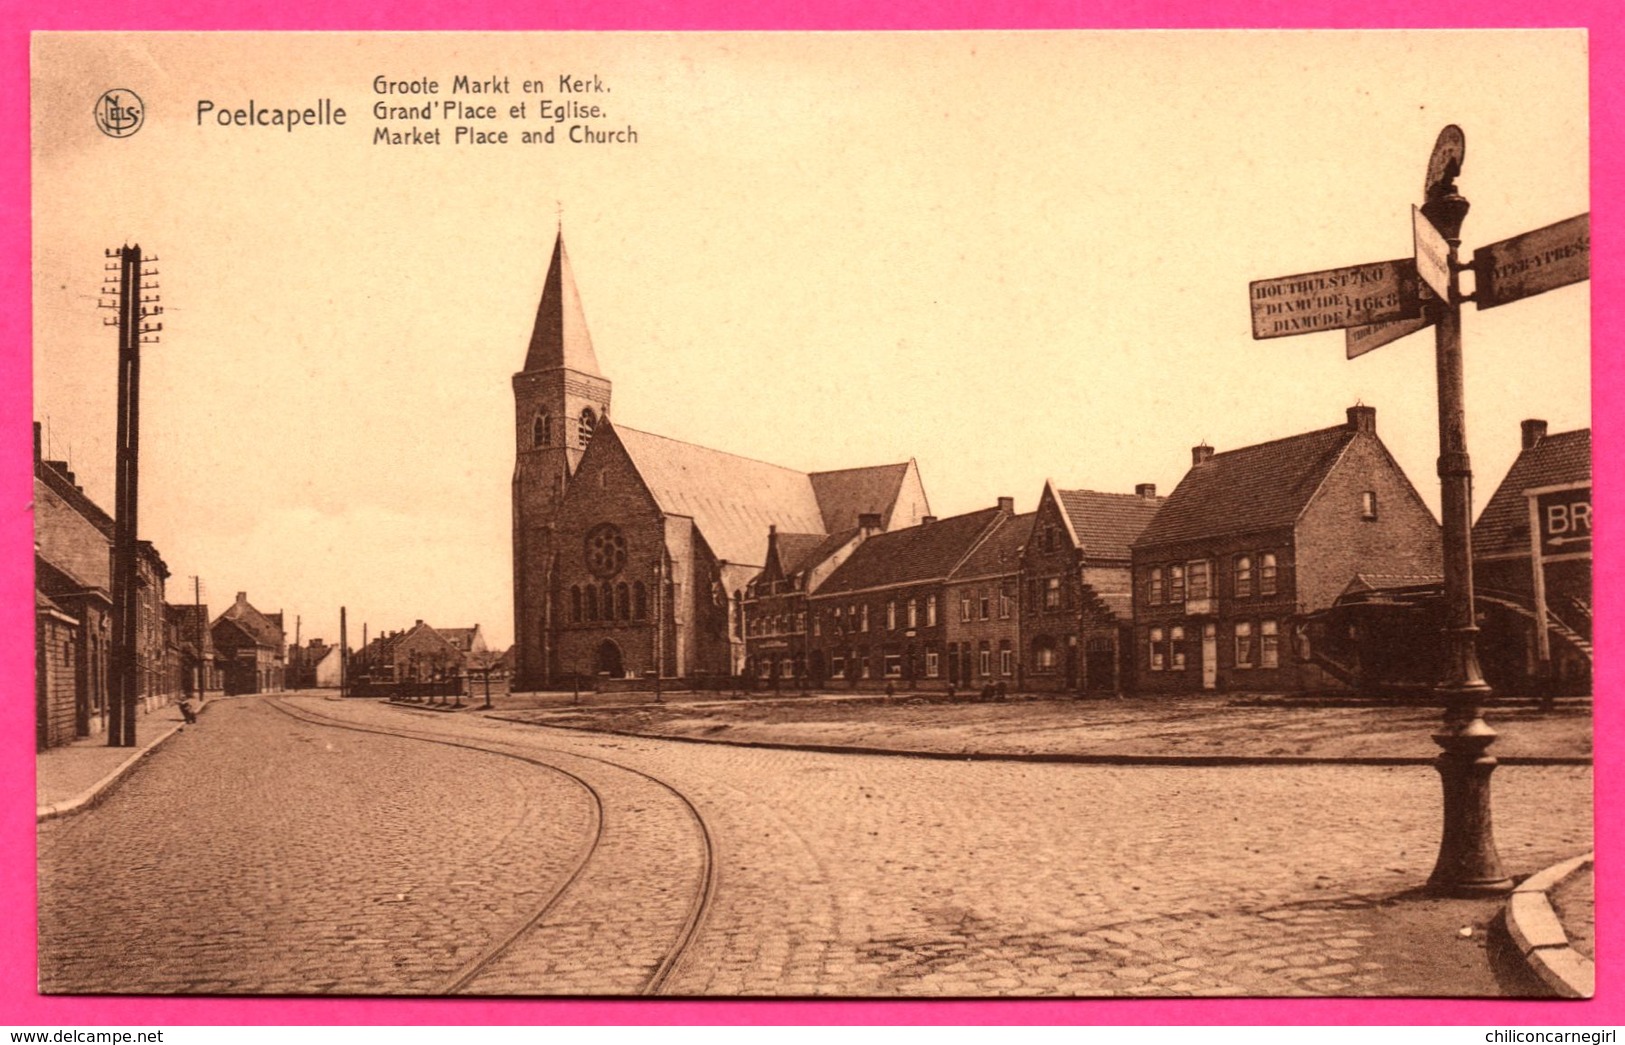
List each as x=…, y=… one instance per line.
x=632, y=550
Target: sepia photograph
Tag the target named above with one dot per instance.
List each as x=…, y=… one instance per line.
x=857, y=515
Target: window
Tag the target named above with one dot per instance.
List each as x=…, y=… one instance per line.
x=1244, y=576
x=964, y=608
x=1004, y=606
x=930, y=663
x=1198, y=580
x=1269, y=649
x=891, y=615
x=592, y=602
x=787, y=669
x=1007, y=658
x=1266, y=574
x=623, y=601
x=984, y=659
x=931, y=611
x=864, y=618
x=894, y=666
x=584, y=426
x=541, y=430
x=1052, y=593
x=1049, y=538
x=837, y=665
x=1155, y=645
x=1176, y=584
x=863, y=664
x=983, y=604
x=913, y=613
x=1044, y=654
x=1244, y=644
x=1368, y=505
x=1154, y=595
x=1176, y=648
x=640, y=601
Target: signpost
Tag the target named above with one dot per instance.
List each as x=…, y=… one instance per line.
x=1533, y=263
x=1537, y=261
x=1359, y=295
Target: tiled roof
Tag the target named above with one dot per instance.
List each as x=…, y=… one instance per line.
x=1503, y=526
x=1107, y=523
x=1001, y=552
x=1254, y=488
x=851, y=492
x=731, y=499
x=825, y=547
x=55, y=475
x=462, y=638
x=794, y=547
x=918, y=553
x=253, y=623
x=560, y=338
x=1385, y=581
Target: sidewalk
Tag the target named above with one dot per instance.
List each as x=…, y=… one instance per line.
x=75, y=776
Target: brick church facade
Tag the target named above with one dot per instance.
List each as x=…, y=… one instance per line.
x=633, y=550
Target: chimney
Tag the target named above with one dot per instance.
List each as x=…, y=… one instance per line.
x=418, y=624
x=1007, y=505
x=1201, y=454
x=1533, y=432
x=1363, y=419
x=869, y=522
x=1146, y=490
x=927, y=520
x=36, y=442
x=242, y=598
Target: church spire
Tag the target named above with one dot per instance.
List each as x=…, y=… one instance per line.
x=560, y=337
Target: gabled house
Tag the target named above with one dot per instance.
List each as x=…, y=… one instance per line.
x=1254, y=540
x=882, y=616
x=981, y=601
x=1078, y=610
x=773, y=610
x=1549, y=486
x=252, y=648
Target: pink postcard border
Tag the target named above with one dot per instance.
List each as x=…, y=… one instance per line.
x=20, y=1005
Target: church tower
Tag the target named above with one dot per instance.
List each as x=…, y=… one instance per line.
x=559, y=397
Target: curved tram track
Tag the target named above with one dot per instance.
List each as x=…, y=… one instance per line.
x=604, y=929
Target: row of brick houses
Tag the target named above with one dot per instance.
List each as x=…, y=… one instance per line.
x=1238, y=580
x=421, y=653
x=179, y=653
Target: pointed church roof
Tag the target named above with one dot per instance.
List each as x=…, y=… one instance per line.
x=560, y=337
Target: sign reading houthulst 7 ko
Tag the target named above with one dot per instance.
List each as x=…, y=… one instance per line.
x=1356, y=296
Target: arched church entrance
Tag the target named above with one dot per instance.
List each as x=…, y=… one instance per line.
x=609, y=660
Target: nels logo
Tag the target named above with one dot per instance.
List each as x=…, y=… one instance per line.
x=120, y=113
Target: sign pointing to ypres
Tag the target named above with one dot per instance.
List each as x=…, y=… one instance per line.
x=1356, y=296
x=1533, y=263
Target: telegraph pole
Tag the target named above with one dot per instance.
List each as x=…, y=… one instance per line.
x=135, y=307
x=344, y=654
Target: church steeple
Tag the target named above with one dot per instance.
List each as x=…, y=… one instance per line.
x=560, y=338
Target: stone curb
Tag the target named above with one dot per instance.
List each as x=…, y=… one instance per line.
x=94, y=794
x=1064, y=758
x=1539, y=936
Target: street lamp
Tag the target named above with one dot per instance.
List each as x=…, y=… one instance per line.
x=1468, y=864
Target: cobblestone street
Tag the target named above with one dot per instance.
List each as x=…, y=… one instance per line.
x=263, y=852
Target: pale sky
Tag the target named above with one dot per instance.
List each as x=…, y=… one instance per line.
x=1008, y=256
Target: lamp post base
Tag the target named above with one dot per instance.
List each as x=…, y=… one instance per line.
x=1468, y=864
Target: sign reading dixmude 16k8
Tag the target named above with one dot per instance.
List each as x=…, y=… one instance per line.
x=1356, y=296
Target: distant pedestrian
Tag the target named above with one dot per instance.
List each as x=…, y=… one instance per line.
x=186, y=711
